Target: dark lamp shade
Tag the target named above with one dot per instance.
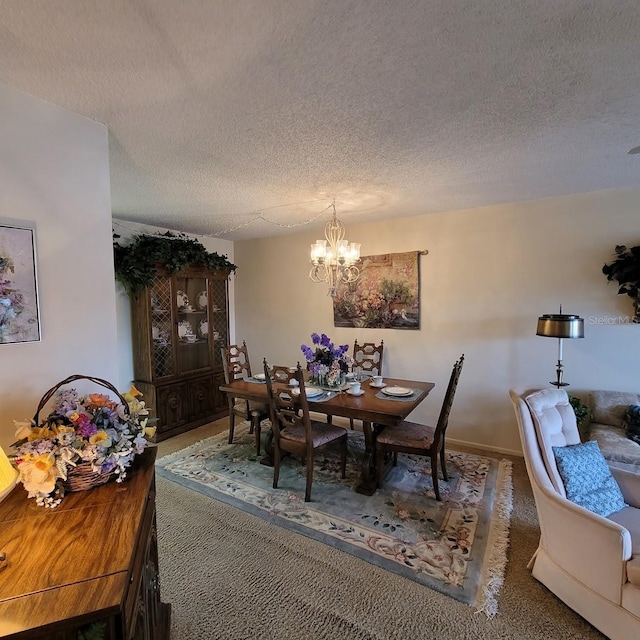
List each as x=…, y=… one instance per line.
x=560, y=325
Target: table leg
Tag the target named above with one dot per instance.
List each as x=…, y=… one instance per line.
x=368, y=484
x=267, y=458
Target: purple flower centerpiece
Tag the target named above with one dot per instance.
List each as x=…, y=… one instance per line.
x=327, y=364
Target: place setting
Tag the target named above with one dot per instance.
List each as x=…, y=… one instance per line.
x=386, y=392
x=316, y=394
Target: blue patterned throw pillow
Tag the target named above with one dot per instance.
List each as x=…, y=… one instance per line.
x=587, y=478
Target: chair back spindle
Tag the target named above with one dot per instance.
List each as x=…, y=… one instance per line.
x=368, y=356
x=235, y=362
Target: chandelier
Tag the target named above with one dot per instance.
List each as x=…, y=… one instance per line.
x=334, y=260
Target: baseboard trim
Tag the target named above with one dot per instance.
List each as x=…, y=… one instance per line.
x=507, y=452
x=344, y=422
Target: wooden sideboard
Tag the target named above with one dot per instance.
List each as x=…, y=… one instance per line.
x=87, y=569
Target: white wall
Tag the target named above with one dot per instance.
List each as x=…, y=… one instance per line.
x=54, y=173
x=488, y=276
x=127, y=230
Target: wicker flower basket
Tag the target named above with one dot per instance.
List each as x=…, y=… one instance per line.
x=82, y=476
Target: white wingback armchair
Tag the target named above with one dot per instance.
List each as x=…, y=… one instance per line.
x=590, y=562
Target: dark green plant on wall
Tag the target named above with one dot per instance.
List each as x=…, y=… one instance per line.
x=136, y=263
x=625, y=270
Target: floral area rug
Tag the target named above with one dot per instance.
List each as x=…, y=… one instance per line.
x=457, y=547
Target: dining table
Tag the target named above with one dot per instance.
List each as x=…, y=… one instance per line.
x=373, y=407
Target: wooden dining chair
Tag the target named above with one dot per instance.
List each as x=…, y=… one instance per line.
x=293, y=429
x=420, y=439
x=236, y=365
x=367, y=356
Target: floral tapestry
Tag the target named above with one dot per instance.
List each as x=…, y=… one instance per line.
x=385, y=296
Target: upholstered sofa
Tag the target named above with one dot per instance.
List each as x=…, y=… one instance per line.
x=607, y=427
x=589, y=561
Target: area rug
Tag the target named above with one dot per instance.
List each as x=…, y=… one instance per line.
x=457, y=547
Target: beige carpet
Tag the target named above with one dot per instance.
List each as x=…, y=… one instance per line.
x=231, y=575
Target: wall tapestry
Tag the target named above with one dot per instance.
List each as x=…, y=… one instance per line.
x=19, y=319
x=386, y=296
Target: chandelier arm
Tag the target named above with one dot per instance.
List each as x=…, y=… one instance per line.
x=350, y=274
x=318, y=273
x=334, y=231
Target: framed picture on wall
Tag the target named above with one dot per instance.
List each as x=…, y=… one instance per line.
x=19, y=312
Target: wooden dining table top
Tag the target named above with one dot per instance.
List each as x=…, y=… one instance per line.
x=366, y=407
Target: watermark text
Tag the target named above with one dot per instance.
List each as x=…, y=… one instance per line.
x=608, y=320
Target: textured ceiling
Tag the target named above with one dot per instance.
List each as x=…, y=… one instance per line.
x=233, y=112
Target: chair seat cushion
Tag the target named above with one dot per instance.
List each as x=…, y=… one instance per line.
x=258, y=407
x=408, y=434
x=321, y=433
x=240, y=409
x=587, y=478
x=629, y=518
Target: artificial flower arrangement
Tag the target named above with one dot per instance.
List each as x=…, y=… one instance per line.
x=90, y=433
x=327, y=364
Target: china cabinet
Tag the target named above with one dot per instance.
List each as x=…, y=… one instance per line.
x=179, y=324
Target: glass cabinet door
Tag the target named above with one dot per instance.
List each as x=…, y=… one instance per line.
x=192, y=330
x=220, y=323
x=161, y=328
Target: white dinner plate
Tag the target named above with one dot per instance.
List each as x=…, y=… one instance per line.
x=182, y=299
x=184, y=328
x=259, y=376
x=397, y=391
x=311, y=392
x=203, y=330
x=201, y=300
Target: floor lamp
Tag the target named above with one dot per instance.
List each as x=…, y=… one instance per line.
x=561, y=326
